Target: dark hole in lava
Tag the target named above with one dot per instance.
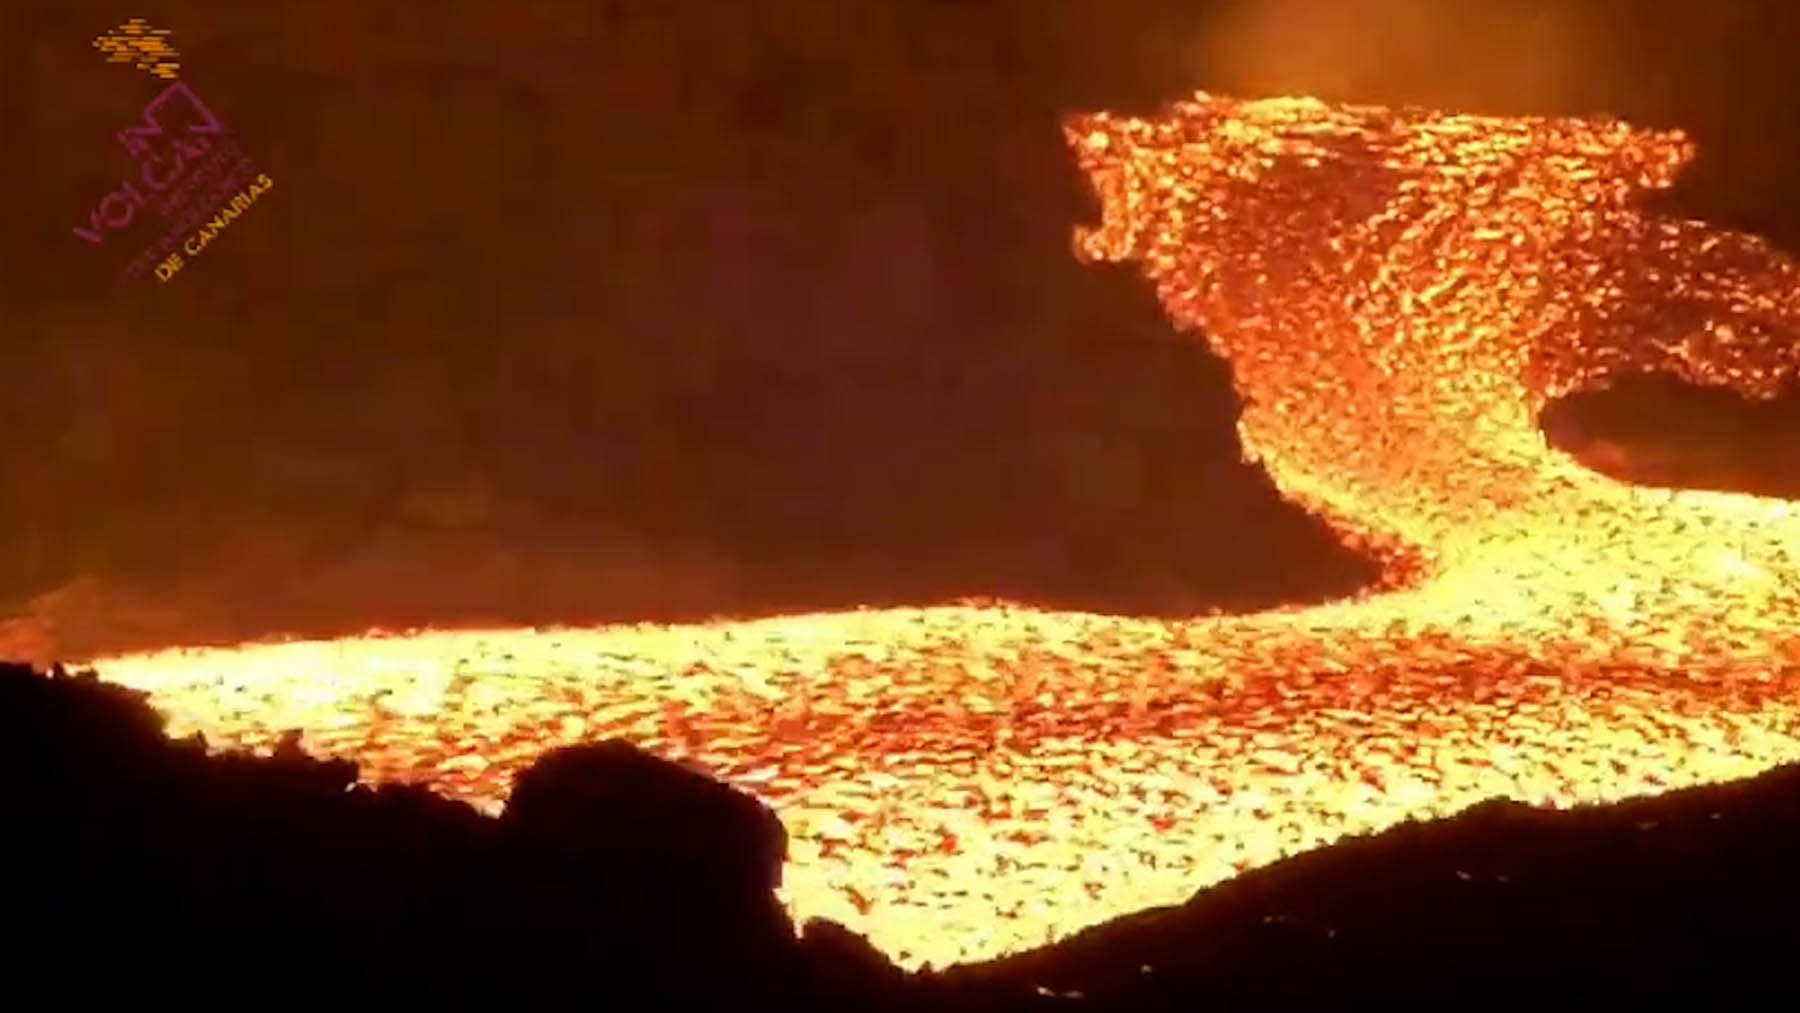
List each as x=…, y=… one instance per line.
x=1662, y=431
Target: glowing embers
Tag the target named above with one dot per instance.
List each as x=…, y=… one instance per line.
x=1398, y=294
x=963, y=783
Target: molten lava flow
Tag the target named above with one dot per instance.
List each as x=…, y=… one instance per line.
x=1398, y=293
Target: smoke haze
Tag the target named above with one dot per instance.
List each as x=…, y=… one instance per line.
x=614, y=310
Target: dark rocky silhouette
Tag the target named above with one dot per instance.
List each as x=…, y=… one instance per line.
x=612, y=870
x=685, y=865
x=142, y=862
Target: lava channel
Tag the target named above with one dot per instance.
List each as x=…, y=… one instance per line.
x=1399, y=293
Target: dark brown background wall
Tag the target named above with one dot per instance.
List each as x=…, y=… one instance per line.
x=735, y=306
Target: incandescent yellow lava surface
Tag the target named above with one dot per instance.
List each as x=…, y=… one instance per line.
x=1398, y=293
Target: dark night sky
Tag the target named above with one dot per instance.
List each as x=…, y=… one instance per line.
x=723, y=306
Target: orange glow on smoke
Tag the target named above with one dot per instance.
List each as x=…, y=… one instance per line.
x=1398, y=294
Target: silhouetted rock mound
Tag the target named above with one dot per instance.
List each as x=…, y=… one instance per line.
x=848, y=972
x=662, y=863
x=611, y=798
x=148, y=851
x=1697, y=887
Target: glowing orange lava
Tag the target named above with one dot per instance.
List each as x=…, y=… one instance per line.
x=1398, y=293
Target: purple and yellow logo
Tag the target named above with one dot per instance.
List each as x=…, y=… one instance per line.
x=187, y=173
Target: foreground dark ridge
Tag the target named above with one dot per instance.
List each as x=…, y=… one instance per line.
x=613, y=871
